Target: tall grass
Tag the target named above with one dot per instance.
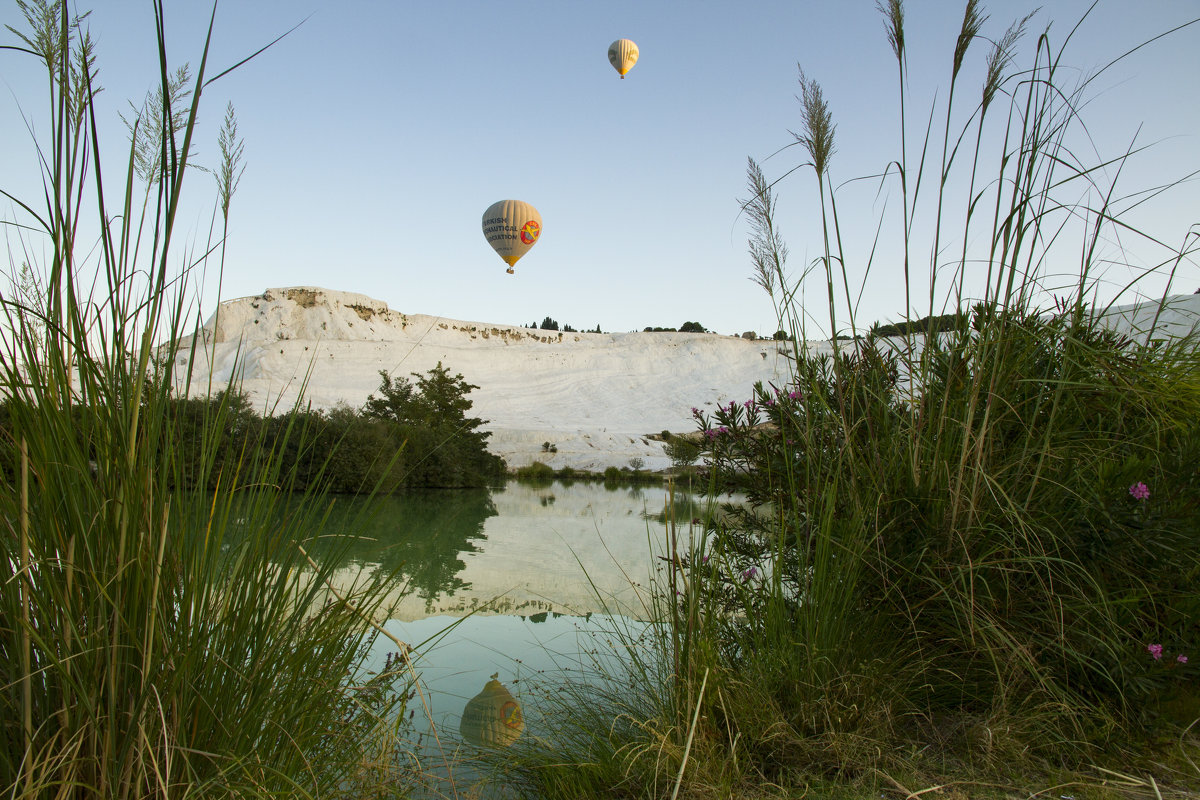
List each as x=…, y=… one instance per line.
x=154, y=640
x=950, y=569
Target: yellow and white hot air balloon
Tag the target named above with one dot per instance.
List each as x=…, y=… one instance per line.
x=622, y=54
x=511, y=228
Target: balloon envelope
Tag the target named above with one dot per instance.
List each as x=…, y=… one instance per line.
x=511, y=228
x=622, y=54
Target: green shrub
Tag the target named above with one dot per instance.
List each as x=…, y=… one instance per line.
x=536, y=473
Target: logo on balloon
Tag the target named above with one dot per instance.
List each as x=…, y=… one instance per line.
x=530, y=231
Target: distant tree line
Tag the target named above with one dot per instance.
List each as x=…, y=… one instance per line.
x=930, y=324
x=687, y=327
x=549, y=324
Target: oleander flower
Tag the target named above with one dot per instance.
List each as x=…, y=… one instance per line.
x=1139, y=491
x=1155, y=650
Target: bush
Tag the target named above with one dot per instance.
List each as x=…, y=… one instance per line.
x=536, y=473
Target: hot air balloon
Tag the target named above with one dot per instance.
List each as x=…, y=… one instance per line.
x=493, y=717
x=511, y=228
x=622, y=54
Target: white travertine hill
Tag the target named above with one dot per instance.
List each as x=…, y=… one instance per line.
x=594, y=397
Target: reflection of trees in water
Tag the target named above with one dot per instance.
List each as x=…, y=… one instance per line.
x=416, y=536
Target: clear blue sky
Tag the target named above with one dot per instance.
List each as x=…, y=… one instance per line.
x=377, y=133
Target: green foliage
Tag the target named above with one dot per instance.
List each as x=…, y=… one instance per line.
x=929, y=325
x=536, y=473
x=156, y=638
x=682, y=451
x=692, y=327
x=549, y=324
x=443, y=446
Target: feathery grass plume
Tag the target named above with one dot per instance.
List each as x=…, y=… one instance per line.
x=768, y=251
x=816, y=135
x=998, y=59
x=893, y=12
x=163, y=115
x=817, y=128
x=232, y=150
x=155, y=639
x=973, y=19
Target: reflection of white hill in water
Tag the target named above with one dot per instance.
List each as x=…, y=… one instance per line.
x=552, y=549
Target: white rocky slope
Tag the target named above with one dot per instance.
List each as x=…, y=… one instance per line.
x=595, y=397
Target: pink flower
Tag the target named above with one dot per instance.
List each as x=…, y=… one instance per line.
x=1140, y=491
x=750, y=573
x=1155, y=650
x=1182, y=659
x=795, y=395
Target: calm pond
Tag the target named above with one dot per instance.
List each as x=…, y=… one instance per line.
x=522, y=582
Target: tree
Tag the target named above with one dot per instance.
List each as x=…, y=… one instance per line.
x=443, y=446
x=692, y=327
x=682, y=451
x=398, y=402
x=549, y=324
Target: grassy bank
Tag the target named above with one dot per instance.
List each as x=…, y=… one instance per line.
x=968, y=564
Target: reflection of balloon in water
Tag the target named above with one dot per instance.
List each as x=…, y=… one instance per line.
x=493, y=717
x=511, y=228
x=622, y=54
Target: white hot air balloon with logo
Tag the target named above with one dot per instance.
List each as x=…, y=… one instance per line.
x=622, y=54
x=511, y=228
